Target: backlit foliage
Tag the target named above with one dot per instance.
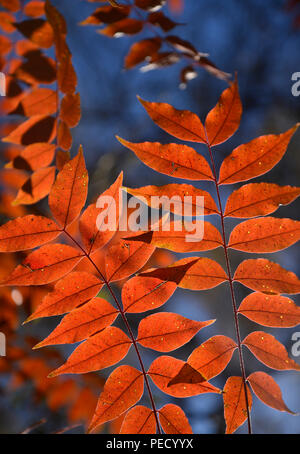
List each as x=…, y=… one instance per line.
x=69, y=262
x=160, y=47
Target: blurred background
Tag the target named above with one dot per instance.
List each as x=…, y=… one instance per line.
x=261, y=42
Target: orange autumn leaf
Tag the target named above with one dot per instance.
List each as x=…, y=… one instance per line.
x=269, y=351
x=164, y=368
x=173, y=420
x=235, y=404
x=267, y=277
x=44, y=265
x=181, y=237
x=193, y=273
x=187, y=374
x=211, y=357
x=11, y=5
x=264, y=235
x=259, y=199
x=6, y=22
x=224, y=119
x=201, y=275
x=27, y=232
x=70, y=109
x=82, y=323
x=270, y=310
x=142, y=293
x=128, y=26
x=107, y=14
x=123, y=388
x=36, y=187
x=139, y=420
x=38, y=31
x=39, y=128
x=179, y=193
x=255, y=158
x=35, y=156
x=179, y=161
x=69, y=192
x=61, y=158
x=267, y=390
x=64, y=136
x=165, y=331
x=40, y=101
x=71, y=291
x=93, y=238
x=98, y=352
x=34, y=8
x=140, y=50
x=183, y=124
x=125, y=258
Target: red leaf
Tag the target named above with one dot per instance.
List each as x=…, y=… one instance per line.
x=45, y=265
x=178, y=193
x=128, y=26
x=36, y=187
x=259, y=199
x=235, y=406
x=70, y=109
x=267, y=390
x=38, y=31
x=39, y=128
x=139, y=420
x=267, y=277
x=11, y=5
x=34, y=8
x=179, y=161
x=165, y=331
x=140, y=51
x=142, y=293
x=187, y=374
x=124, y=259
x=69, y=191
x=269, y=351
x=276, y=311
x=27, y=232
x=92, y=237
x=193, y=273
x=36, y=156
x=265, y=235
x=255, y=158
x=98, y=352
x=81, y=323
x=183, y=124
x=224, y=119
x=182, y=237
x=202, y=275
x=107, y=15
x=123, y=388
x=173, y=420
x=40, y=101
x=164, y=368
x=211, y=357
x=71, y=291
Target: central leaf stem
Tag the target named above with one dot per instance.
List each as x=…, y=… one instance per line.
x=230, y=279
x=134, y=342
